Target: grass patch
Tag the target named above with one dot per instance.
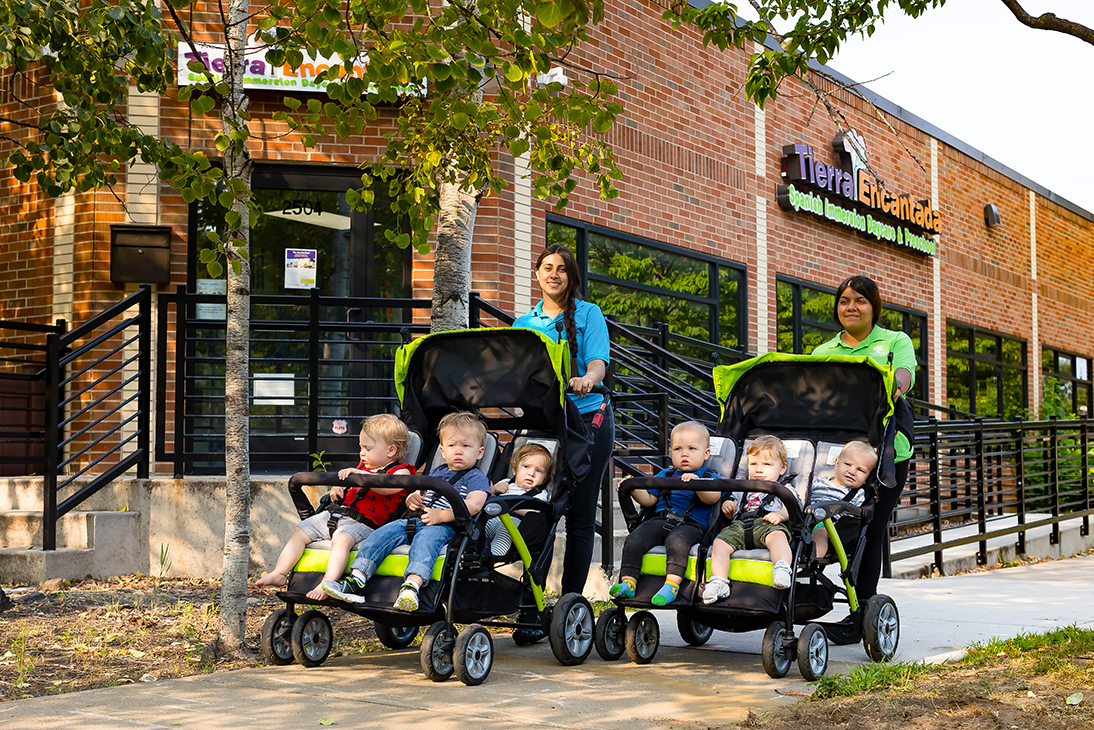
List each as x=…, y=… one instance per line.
x=867, y=677
x=1066, y=653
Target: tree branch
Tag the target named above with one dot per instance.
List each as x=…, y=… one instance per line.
x=1049, y=21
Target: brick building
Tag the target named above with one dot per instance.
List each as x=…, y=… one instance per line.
x=701, y=236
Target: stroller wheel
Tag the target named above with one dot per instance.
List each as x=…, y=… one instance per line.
x=693, y=632
x=474, y=655
x=436, y=652
x=773, y=651
x=812, y=652
x=881, y=628
x=571, y=632
x=277, y=637
x=395, y=637
x=312, y=638
x=610, y=634
x=643, y=637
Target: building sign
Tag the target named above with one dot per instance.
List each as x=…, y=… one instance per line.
x=847, y=195
x=261, y=74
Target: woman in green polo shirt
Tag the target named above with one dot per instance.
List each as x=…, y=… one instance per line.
x=857, y=309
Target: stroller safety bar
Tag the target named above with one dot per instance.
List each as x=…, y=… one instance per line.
x=386, y=481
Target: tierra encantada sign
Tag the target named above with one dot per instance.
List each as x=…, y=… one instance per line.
x=847, y=195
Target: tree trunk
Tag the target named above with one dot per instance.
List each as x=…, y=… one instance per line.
x=237, y=411
x=452, y=258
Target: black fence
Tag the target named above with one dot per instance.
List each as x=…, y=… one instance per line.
x=23, y=396
x=95, y=403
x=993, y=479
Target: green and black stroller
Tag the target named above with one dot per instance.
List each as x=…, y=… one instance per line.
x=515, y=379
x=815, y=405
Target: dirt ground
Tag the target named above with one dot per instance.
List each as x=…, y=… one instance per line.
x=1006, y=696
x=130, y=629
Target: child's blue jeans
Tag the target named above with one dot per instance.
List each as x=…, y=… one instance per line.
x=424, y=548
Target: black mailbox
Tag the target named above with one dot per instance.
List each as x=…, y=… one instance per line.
x=140, y=254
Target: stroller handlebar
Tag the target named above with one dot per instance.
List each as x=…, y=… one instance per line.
x=411, y=483
x=786, y=494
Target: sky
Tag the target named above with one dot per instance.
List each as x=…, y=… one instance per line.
x=1019, y=95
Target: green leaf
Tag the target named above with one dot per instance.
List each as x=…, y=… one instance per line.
x=1075, y=698
x=215, y=269
x=513, y=73
x=328, y=721
x=460, y=120
x=223, y=142
x=550, y=14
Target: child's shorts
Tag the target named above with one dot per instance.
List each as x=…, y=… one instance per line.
x=735, y=533
x=315, y=527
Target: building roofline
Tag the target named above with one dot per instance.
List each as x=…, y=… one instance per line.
x=942, y=136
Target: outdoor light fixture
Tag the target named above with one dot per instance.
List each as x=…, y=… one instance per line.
x=555, y=75
x=991, y=215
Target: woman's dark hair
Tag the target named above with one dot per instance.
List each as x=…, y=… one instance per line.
x=573, y=290
x=863, y=285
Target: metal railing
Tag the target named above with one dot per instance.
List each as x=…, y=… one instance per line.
x=319, y=365
x=97, y=402
x=22, y=396
x=1001, y=478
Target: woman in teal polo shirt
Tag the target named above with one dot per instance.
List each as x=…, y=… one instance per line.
x=561, y=314
x=857, y=309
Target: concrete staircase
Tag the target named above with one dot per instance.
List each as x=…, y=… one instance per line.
x=99, y=539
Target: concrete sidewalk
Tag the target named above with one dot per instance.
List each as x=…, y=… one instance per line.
x=683, y=687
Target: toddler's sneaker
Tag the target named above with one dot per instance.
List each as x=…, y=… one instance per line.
x=350, y=590
x=715, y=590
x=781, y=575
x=408, y=597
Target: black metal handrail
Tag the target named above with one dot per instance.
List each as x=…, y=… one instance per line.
x=22, y=389
x=97, y=429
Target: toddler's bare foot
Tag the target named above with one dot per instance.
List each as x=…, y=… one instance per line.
x=317, y=593
x=272, y=580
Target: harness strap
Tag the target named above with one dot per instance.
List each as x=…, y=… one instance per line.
x=411, y=523
x=347, y=507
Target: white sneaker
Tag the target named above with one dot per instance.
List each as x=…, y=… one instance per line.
x=715, y=590
x=781, y=575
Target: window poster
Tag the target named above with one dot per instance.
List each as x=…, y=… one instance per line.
x=300, y=265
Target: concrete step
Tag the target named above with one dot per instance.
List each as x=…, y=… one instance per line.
x=99, y=544
x=23, y=528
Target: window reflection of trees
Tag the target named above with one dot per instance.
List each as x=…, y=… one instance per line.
x=985, y=373
x=643, y=286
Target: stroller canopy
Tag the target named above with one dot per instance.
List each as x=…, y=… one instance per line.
x=834, y=397
x=518, y=370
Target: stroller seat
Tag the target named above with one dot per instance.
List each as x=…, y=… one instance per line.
x=755, y=565
x=314, y=560
x=722, y=459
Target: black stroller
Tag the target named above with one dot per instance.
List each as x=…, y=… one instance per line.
x=815, y=405
x=515, y=379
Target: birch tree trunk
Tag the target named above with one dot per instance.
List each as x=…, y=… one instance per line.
x=237, y=511
x=452, y=258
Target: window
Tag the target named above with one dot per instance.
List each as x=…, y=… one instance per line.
x=644, y=284
x=804, y=312
x=1067, y=383
x=985, y=373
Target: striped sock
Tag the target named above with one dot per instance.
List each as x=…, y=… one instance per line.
x=667, y=594
x=623, y=589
